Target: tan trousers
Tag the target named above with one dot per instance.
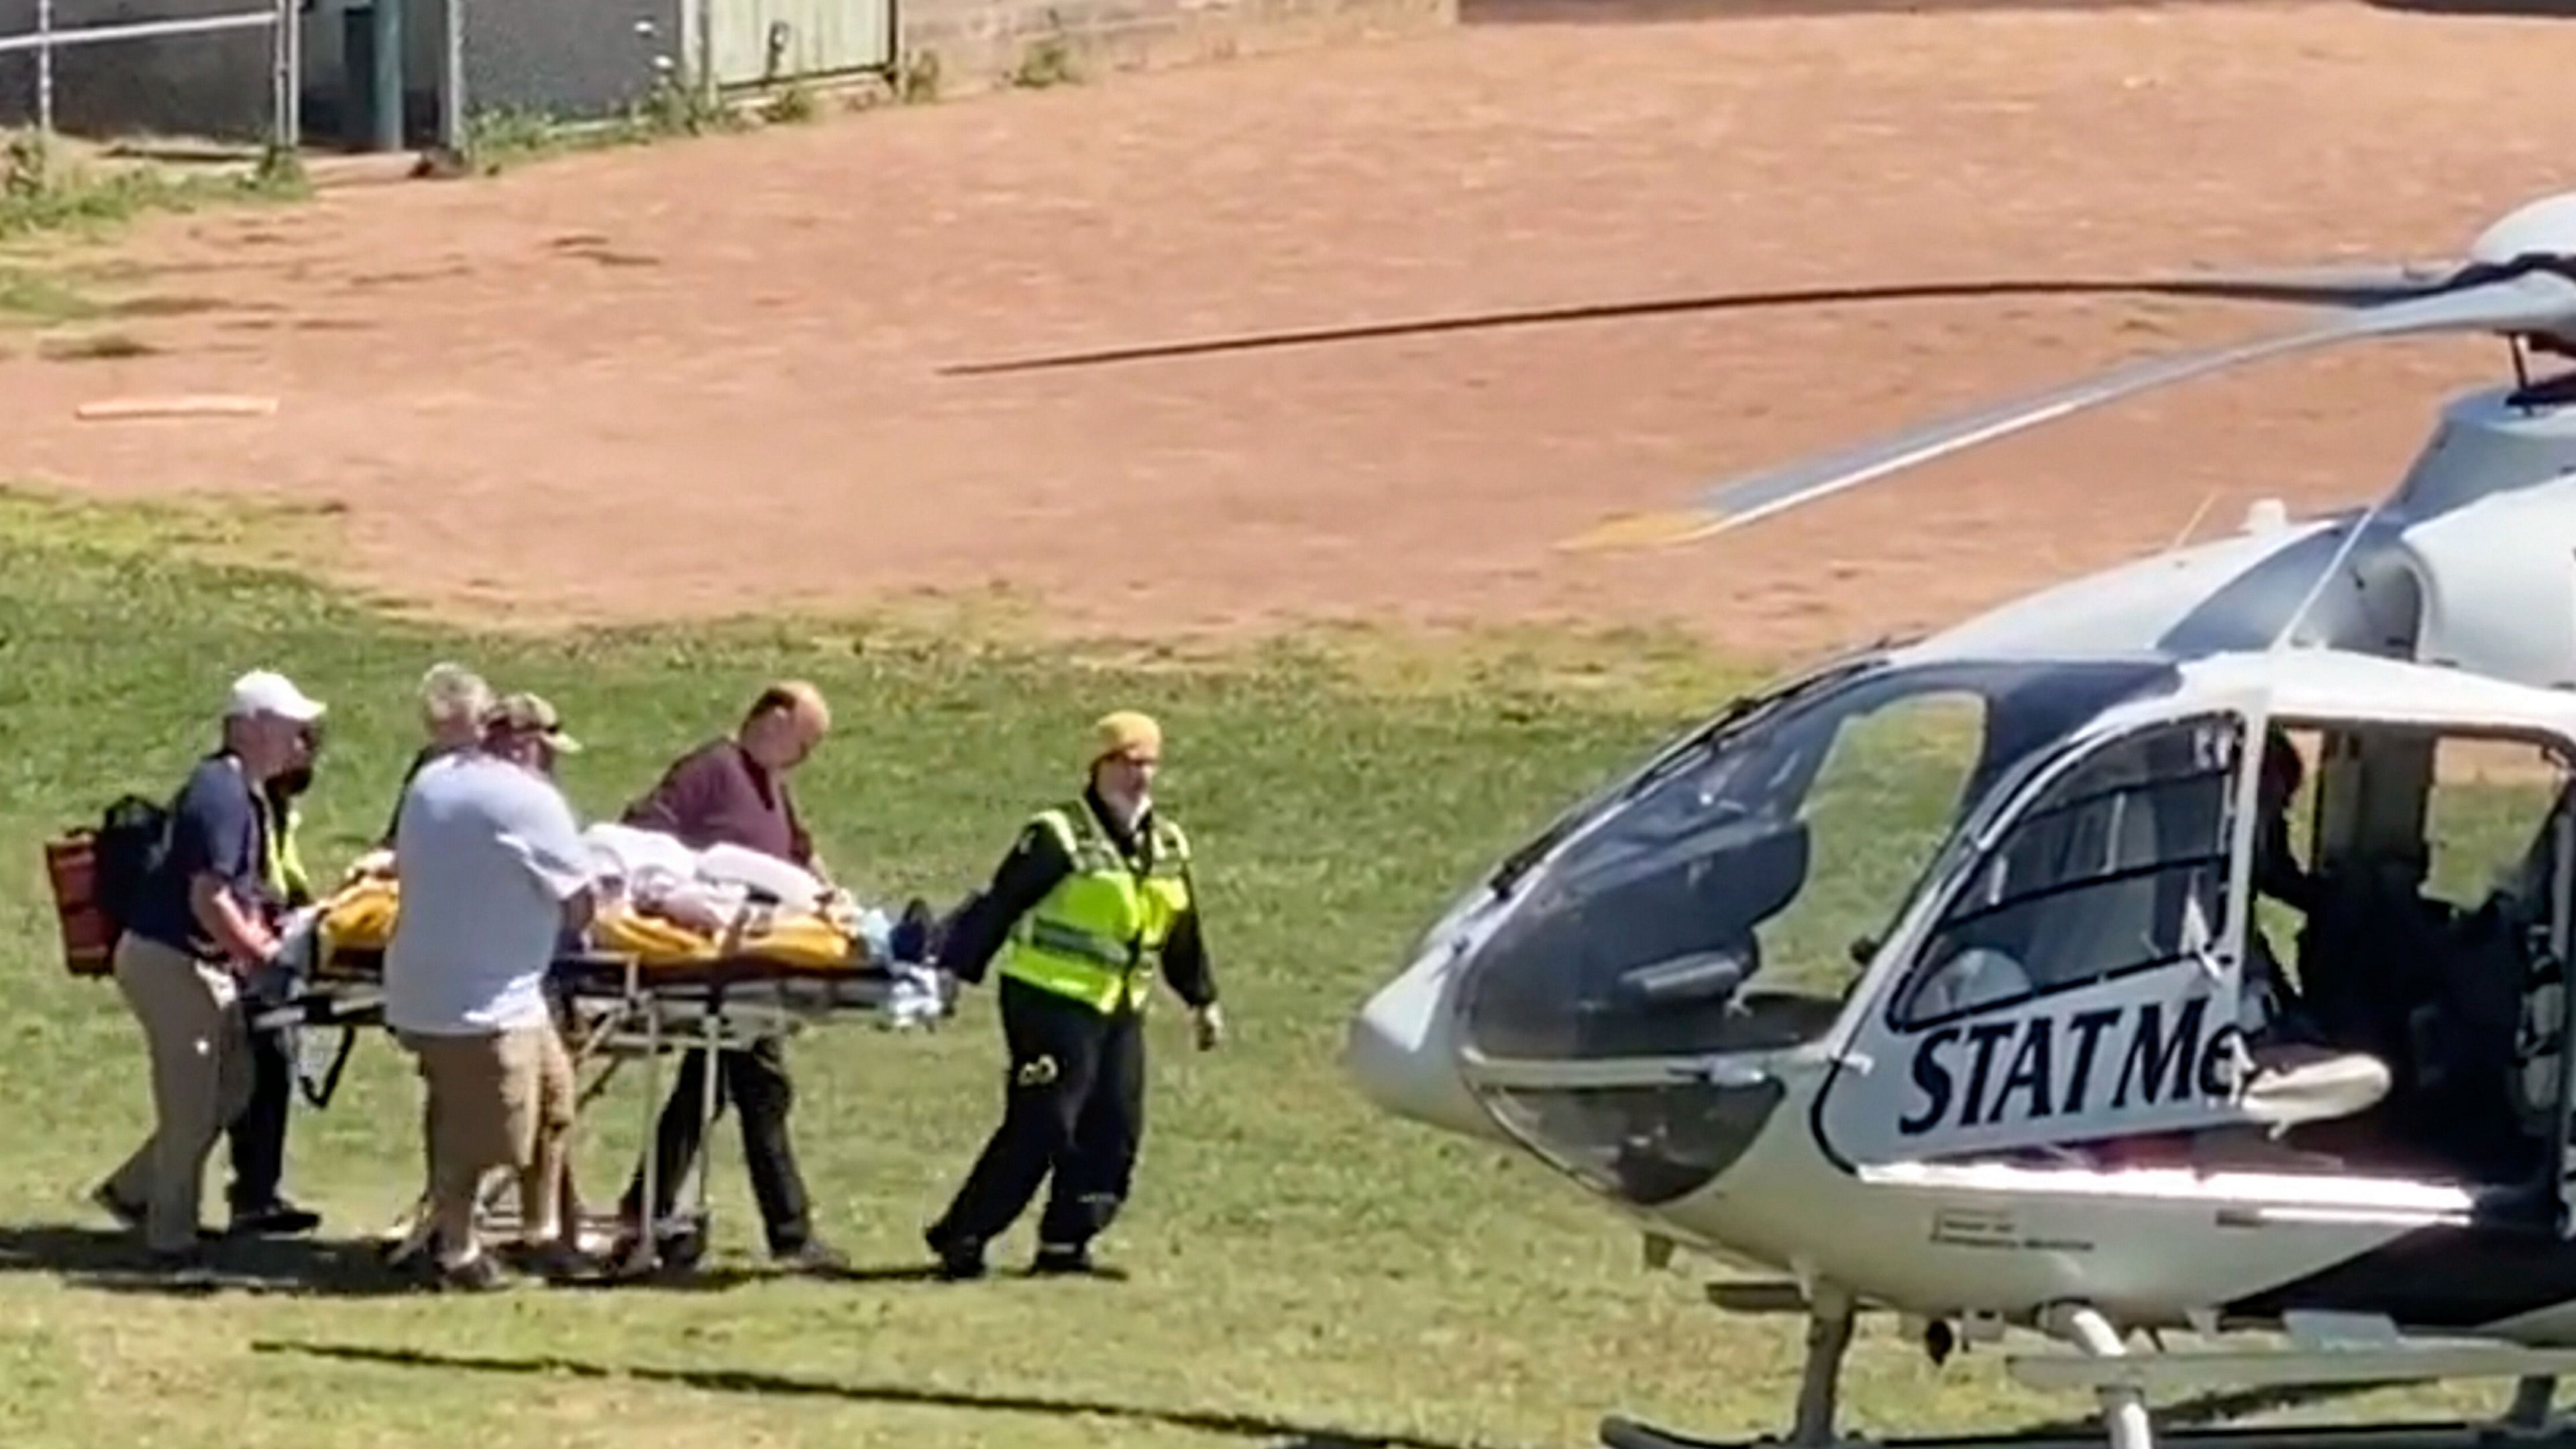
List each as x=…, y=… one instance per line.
x=417, y=1226
x=501, y=1100
x=201, y=1080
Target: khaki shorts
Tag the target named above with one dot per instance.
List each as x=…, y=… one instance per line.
x=491, y=1095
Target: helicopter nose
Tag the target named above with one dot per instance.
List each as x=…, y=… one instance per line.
x=1402, y=1053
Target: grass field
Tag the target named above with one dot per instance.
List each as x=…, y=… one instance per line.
x=1305, y=1272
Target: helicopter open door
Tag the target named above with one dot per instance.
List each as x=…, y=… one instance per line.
x=2076, y=972
x=2548, y=1027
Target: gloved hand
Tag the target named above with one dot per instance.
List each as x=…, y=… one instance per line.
x=1209, y=1022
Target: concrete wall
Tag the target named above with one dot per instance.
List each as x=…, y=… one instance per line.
x=978, y=43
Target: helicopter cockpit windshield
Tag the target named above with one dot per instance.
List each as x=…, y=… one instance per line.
x=1767, y=850
x=1720, y=900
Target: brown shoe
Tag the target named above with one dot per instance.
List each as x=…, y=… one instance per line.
x=555, y=1261
x=478, y=1274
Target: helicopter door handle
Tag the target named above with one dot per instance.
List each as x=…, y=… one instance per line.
x=1720, y=1073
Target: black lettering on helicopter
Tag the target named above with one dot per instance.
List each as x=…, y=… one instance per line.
x=2162, y=1051
x=2164, y=1057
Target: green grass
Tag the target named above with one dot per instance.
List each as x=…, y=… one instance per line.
x=58, y=192
x=1305, y=1272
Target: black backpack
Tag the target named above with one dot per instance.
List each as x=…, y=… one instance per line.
x=133, y=837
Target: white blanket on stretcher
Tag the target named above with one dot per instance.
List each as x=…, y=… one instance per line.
x=654, y=866
x=651, y=865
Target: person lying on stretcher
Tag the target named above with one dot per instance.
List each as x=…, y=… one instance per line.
x=706, y=890
x=660, y=899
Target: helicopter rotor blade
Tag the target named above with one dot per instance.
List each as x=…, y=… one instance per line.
x=2535, y=301
x=2319, y=286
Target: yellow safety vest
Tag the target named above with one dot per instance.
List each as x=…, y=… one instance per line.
x=283, y=867
x=1099, y=933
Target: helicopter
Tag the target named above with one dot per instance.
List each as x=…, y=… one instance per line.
x=2061, y=1084
x=2061, y=1081
x=1936, y=978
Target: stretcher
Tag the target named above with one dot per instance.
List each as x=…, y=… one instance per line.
x=637, y=988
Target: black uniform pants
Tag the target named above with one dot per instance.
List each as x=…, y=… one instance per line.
x=257, y=1138
x=1073, y=1107
x=755, y=1082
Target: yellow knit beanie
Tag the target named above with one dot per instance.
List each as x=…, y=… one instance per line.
x=1126, y=733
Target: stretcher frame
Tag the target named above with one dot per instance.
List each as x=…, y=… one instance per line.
x=611, y=1008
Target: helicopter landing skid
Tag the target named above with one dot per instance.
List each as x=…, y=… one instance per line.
x=1619, y=1433
x=2120, y=1380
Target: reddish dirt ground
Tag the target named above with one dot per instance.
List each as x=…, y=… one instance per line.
x=696, y=379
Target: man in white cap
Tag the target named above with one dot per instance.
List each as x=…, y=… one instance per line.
x=201, y=924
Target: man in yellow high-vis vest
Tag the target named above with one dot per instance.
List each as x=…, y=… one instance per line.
x=257, y=1138
x=1094, y=901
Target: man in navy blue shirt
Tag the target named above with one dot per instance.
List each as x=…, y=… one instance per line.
x=201, y=924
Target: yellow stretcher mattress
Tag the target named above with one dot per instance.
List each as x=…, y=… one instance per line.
x=359, y=919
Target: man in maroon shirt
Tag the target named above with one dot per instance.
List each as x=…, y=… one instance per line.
x=734, y=791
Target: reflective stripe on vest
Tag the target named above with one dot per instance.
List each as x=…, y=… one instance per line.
x=1098, y=935
x=283, y=867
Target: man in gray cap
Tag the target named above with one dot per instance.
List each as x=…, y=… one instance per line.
x=492, y=872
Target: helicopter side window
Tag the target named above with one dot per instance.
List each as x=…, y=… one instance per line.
x=2102, y=875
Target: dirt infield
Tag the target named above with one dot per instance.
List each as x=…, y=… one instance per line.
x=704, y=378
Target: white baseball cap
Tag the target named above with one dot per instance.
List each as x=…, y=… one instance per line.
x=264, y=691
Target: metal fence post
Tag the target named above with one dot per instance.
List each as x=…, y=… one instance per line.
x=451, y=81
x=281, y=77
x=45, y=74
x=386, y=20
x=707, y=50
x=291, y=20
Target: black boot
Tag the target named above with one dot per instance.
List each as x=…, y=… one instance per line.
x=959, y=1259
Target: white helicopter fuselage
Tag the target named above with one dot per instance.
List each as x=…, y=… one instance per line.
x=2054, y=1147
x=2073, y=1086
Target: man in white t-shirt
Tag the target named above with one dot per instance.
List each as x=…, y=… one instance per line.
x=492, y=873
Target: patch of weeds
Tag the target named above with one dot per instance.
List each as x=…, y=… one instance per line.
x=1047, y=62
x=793, y=105
x=36, y=297
x=507, y=136
x=93, y=347
x=42, y=190
x=25, y=163
x=916, y=78
x=674, y=108
x=279, y=172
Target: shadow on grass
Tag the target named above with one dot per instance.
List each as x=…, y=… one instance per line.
x=2213, y=1409
x=2523, y=9
x=112, y=1261
x=1279, y=1434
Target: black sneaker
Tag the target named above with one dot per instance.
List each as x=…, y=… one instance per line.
x=277, y=1219
x=959, y=1261
x=1053, y=1261
x=1075, y=1262
x=128, y=1214
x=812, y=1256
